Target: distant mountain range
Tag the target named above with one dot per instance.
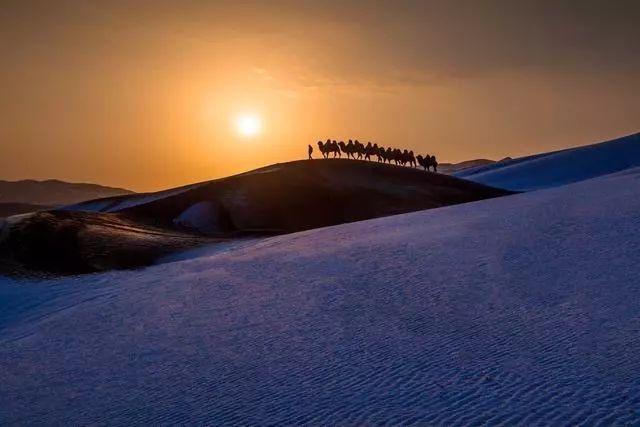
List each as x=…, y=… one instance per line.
x=28, y=195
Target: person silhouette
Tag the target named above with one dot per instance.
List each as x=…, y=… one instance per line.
x=310, y=150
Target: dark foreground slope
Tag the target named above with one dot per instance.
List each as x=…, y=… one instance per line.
x=130, y=231
x=60, y=243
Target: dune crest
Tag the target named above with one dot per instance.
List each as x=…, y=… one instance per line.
x=562, y=167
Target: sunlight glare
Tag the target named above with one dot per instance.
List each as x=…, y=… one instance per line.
x=248, y=125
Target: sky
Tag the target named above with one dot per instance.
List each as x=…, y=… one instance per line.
x=144, y=94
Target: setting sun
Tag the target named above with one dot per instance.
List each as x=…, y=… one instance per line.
x=248, y=125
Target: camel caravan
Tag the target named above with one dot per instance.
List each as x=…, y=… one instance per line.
x=357, y=150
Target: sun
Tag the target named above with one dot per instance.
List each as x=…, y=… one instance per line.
x=248, y=125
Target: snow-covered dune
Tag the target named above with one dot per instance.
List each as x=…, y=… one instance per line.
x=469, y=314
x=560, y=167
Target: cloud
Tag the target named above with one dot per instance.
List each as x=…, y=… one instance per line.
x=347, y=42
x=425, y=42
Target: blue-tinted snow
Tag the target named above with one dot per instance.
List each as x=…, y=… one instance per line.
x=560, y=167
x=518, y=310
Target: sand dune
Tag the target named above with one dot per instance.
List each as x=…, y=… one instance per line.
x=560, y=167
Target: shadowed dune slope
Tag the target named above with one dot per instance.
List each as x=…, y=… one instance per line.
x=131, y=231
x=297, y=196
x=60, y=243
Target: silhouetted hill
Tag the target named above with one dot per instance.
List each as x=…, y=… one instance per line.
x=295, y=196
x=53, y=192
x=129, y=231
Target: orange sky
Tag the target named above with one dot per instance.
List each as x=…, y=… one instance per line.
x=141, y=94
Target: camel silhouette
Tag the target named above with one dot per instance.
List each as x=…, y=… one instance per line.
x=354, y=149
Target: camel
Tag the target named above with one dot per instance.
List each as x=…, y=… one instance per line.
x=345, y=148
x=388, y=155
x=420, y=161
x=428, y=162
x=351, y=149
x=412, y=159
x=434, y=163
x=368, y=151
x=397, y=156
x=376, y=151
x=336, y=149
x=359, y=149
x=322, y=149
